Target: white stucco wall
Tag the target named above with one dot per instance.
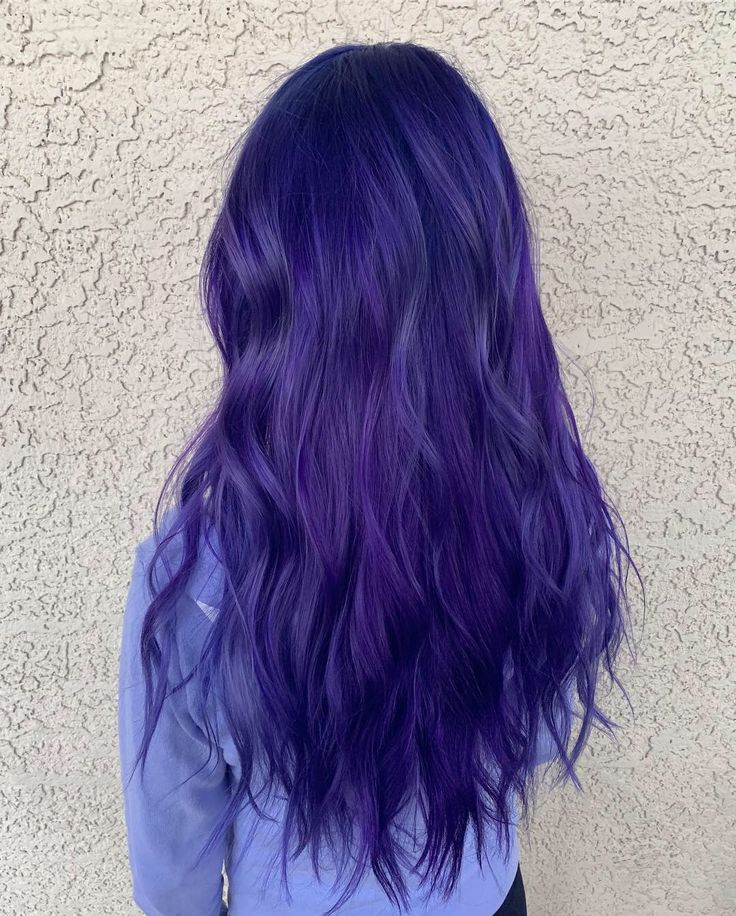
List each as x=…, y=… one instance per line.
x=114, y=119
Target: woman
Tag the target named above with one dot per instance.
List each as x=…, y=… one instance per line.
x=389, y=579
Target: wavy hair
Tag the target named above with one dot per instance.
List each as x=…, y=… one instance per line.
x=420, y=563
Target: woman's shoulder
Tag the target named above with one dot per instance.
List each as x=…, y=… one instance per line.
x=202, y=594
x=196, y=606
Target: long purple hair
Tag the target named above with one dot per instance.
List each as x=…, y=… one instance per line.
x=420, y=563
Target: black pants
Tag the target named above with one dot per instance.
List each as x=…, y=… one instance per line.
x=514, y=903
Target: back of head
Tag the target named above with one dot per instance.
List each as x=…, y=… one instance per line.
x=419, y=560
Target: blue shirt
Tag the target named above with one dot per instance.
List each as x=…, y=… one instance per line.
x=170, y=811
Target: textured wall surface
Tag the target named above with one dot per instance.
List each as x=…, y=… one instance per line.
x=115, y=117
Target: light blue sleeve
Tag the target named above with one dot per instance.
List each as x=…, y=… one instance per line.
x=170, y=811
